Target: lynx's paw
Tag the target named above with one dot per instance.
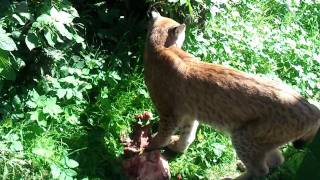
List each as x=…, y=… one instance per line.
x=240, y=166
x=175, y=144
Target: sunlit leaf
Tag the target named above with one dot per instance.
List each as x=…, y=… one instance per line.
x=44, y=19
x=55, y=171
x=72, y=163
x=63, y=30
x=61, y=93
x=52, y=108
x=70, y=173
x=16, y=146
x=114, y=75
x=20, y=21
x=34, y=115
x=32, y=41
x=69, y=93
x=50, y=37
x=7, y=43
x=61, y=16
x=6, y=72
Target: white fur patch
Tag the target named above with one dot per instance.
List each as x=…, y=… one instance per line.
x=192, y=134
x=180, y=39
x=155, y=15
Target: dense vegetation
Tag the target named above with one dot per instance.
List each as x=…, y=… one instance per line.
x=71, y=78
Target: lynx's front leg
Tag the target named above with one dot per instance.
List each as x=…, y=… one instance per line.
x=167, y=126
x=188, y=131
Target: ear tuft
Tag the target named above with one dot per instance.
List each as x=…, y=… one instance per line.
x=155, y=15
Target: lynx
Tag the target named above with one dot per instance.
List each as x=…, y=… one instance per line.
x=259, y=114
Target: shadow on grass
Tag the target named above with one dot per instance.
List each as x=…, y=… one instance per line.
x=118, y=28
x=95, y=161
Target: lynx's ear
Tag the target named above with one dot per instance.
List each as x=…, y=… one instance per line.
x=155, y=15
x=179, y=29
x=178, y=33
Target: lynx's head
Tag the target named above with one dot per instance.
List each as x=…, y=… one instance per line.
x=165, y=32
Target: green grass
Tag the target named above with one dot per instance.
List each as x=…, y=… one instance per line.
x=64, y=114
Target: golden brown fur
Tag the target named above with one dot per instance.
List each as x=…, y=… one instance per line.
x=259, y=114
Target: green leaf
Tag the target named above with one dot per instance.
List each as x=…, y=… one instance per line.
x=16, y=146
x=50, y=37
x=42, y=123
x=34, y=115
x=52, y=108
x=143, y=92
x=62, y=30
x=78, y=94
x=61, y=16
x=7, y=123
x=16, y=100
x=182, y=2
x=20, y=21
x=25, y=15
x=78, y=38
x=54, y=12
x=11, y=137
x=43, y=19
x=88, y=86
x=73, y=120
x=61, y=93
x=114, y=75
x=32, y=41
x=218, y=149
x=71, y=163
x=72, y=11
x=70, y=173
x=104, y=92
x=3, y=146
x=6, y=43
x=7, y=72
x=43, y=151
x=55, y=171
x=31, y=104
x=70, y=79
x=69, y=93
x=63, y=176
x=34, y=94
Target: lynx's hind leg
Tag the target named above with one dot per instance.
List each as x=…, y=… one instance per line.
x=274, y=158
x=188, y=130
x=252, y=154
